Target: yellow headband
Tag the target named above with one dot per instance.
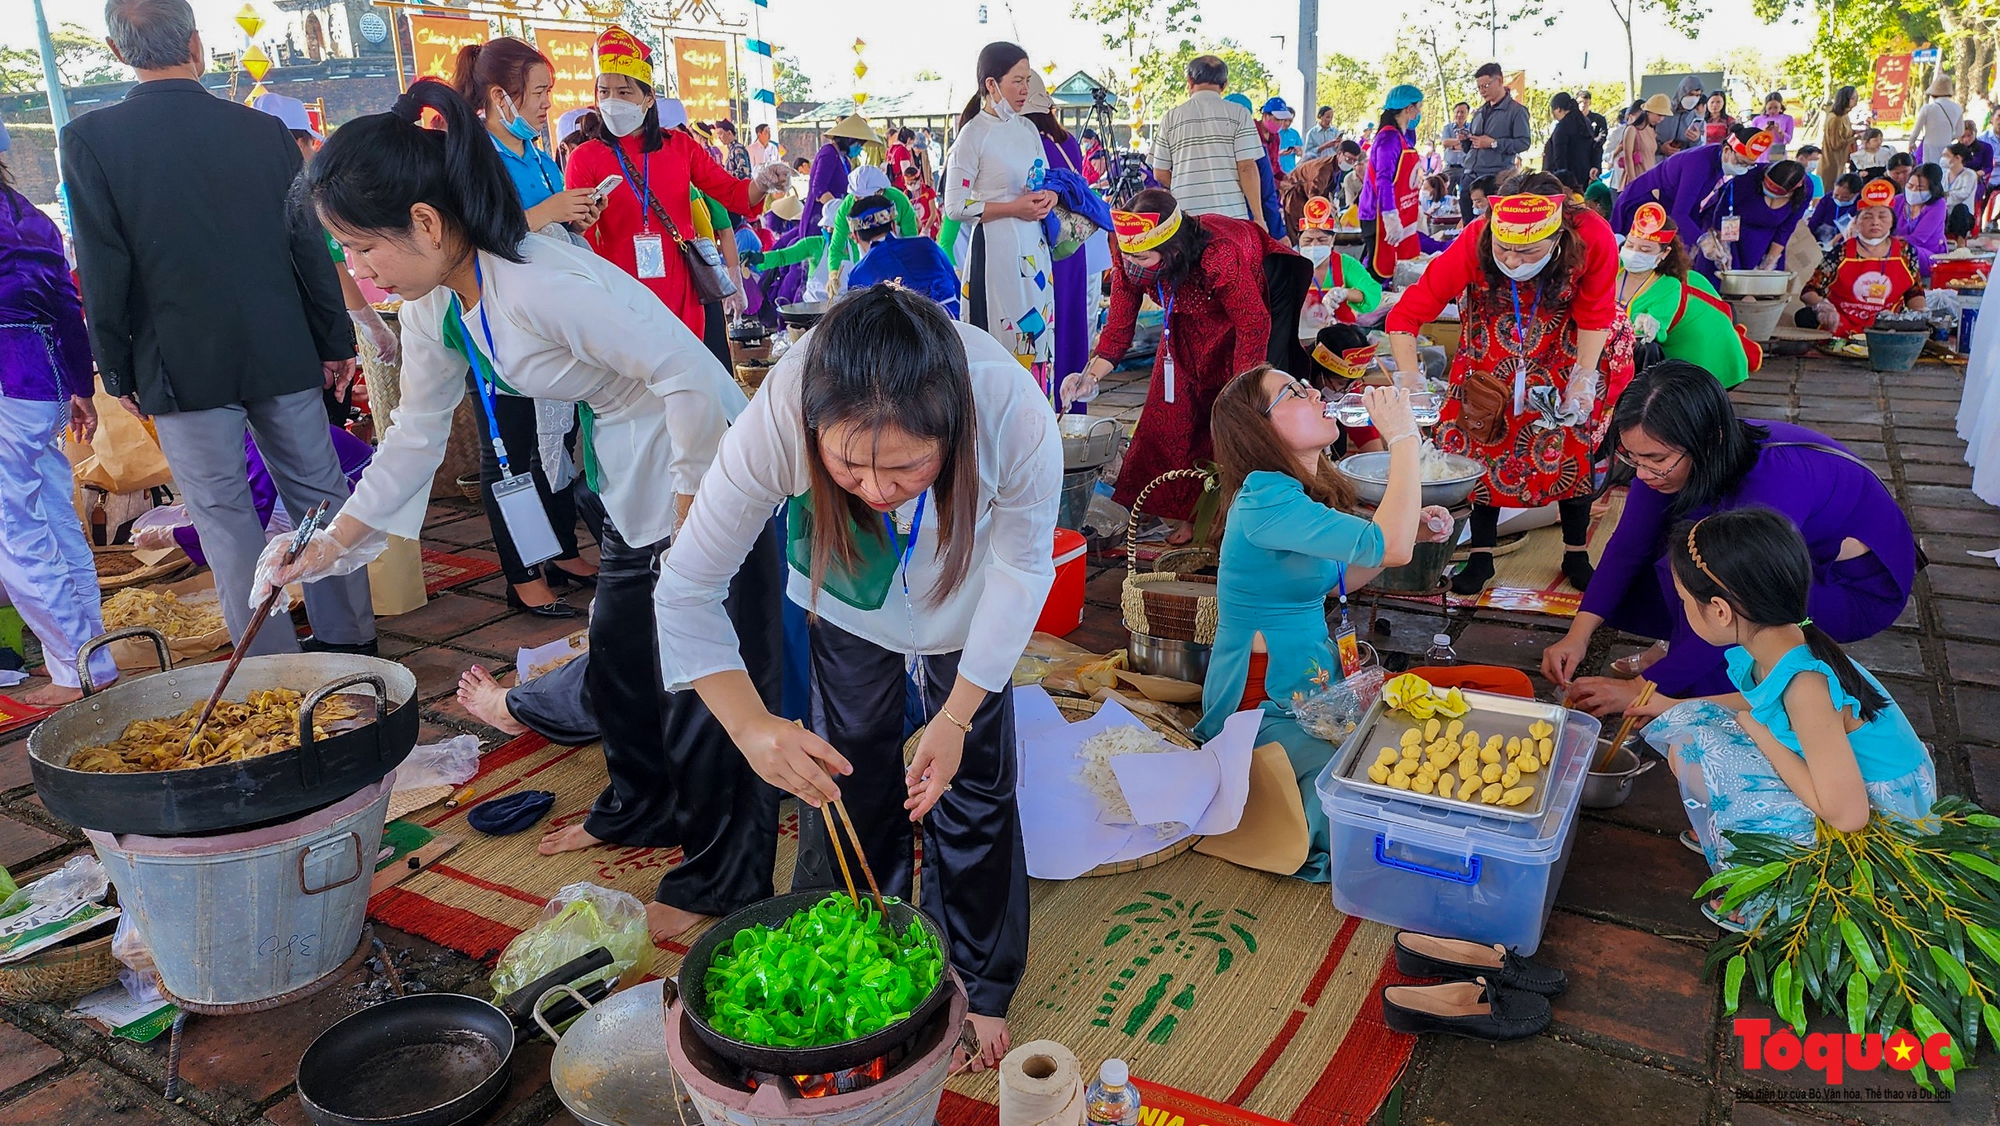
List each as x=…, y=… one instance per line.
x=1139, y=232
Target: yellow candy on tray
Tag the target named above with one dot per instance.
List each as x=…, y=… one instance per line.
x=1379, y=774
x=1528, y=764
x=1510, y=776
x=1541, y=729
x=1387, y=756
x=1453, y=704
x=1517, y=795
x=1469, y=787
x=1491, y=772
x=1412, y=737
x=1399, y=781
x=1422, y=784
x=1399, y=691
x=1454, y=729
x=1492, y=793
x=1431, y=729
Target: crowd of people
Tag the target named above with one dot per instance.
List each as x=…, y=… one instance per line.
x=899, y=470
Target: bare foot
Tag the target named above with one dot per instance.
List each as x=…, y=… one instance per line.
x=1638, y=663
x=664, y=922
x=51, y=696
x=994, y=1043
x=569, y=839
x=483, y=696
x=1181, y=535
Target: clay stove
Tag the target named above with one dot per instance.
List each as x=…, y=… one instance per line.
x=902, y=1088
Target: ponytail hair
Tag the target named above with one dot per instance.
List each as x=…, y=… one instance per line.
x=503, y=62
x=375, y=168
x=995, y=60
x=1756, y=560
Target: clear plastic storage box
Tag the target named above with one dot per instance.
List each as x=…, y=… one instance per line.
x=1443, y=869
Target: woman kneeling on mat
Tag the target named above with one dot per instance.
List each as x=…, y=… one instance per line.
x=923, y=469
x=1288, y=542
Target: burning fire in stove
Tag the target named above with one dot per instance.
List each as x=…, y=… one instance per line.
x=835, y=1082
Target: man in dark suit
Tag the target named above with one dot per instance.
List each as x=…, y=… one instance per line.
x=211, y=307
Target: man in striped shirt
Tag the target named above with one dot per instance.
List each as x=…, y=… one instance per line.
x=1205, y=150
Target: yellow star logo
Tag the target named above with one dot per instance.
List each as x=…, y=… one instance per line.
x=1902, y=1050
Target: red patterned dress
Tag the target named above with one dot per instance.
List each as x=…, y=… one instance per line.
x=1217, y=327
x=1527, y=466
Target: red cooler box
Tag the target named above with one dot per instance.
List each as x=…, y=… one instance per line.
x=1063, y=611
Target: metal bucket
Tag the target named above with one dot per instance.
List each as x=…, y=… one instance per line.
x=1164, y=656
x=235, y=919
x=1758, y=315
x=1427, y=565
x=1078, y=486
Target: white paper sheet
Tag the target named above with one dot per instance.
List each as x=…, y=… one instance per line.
x=1058, y=813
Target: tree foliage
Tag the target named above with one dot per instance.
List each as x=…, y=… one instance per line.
x=1134, y=26
x=20, y=70
x=82, y=58
x=1162, y=77
x=794, y=84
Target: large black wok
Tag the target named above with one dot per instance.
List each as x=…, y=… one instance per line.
x=825, y=1058
x=802, y=315
x=228, y=795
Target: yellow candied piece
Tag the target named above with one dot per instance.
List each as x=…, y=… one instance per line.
x=1422, y=784
x=1470, y=741
x=1510, y=776
x=1412, y=737
x=1412, y=754
x=1513, y=747
x=1387, y=756
x=1517, y=795
x=1454, y=729
x=1453, y=704
x=1491, y=772
x=1468, y=788
x=1528, y=764
x=1402, y=691
x=1379, y=774
x=1541, y=729
x=1491, y=794
x=1489, y=754
x=1447, y=784
x=1399, y=781
x=1495, y=742
x=1431, y=728
x=1405, y=768
x=1468, y=765
x=1423, y=707
x=1545, y=752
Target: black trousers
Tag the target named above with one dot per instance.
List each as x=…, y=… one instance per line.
x=676, y=779
x=1573, y=513
x=516, y=417
x=975, y=864
x=556, y=705
x=715, y=333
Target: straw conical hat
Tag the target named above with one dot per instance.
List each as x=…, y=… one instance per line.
x=855, y=127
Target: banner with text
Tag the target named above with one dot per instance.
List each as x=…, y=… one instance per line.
x=702, y=68
x=1890, y=93
x=572, y=54
x=435, y=42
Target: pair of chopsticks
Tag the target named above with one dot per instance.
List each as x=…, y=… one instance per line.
x=833, y=835
x=1624, y=729
x=305, y=531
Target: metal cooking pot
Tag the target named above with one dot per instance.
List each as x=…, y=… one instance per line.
x=431, y=1059
x=611, y=1067
x=800, y=1061
x=1369, y=474
x=1754, y=283
x=230, y=795
x=802, y=314
x=749, y=330
x=1164, y=656
x=1608, y=789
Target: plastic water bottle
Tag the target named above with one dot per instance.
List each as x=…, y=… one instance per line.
x=1441, y=653
x=1111, y=1099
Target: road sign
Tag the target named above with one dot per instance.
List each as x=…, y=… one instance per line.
x=1924, y=55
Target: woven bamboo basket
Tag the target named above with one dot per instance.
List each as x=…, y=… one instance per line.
x=60, y=974
x=1173, y=615
x=385, y=380
x=163, y=571
x=1075, y=710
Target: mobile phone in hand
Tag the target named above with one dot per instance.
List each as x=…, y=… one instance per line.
x=603, y=190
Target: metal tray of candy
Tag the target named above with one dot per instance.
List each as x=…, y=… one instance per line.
x=1490, y=715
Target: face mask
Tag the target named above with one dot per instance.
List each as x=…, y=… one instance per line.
x=1141, y=276
x=518, y=126
x=1872, y=241
x=1347, y=166
x=1317, y=254
x=1776, y=202
x=1691, y=101
x=1002, y=108
x=623, y=118
x=1915, y=198
x=1479, y=211
x=1637, y=261
x=1812, y=165
x=854, y=151
x=1525, y=270
x=1414, y=118
x=1731, y=168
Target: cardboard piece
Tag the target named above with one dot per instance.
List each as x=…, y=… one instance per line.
x=1165, y=689
x=396, y=578
x=1272, y=836
x=135, y=654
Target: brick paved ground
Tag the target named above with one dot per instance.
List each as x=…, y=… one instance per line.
x=1639, y=1038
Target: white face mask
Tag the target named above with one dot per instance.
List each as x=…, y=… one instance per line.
x=1691, y=101
x=1731, y=168
x=1915, y=198
x=1525, y=270
x=1871, y=241
x=1318, y=255
x=1812, y=165
x=1002, y=108
x=623, y=118
x=1638, y=261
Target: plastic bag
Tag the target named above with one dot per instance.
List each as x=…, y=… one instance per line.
x=1332, y=712
x=581, y=918
x=129, y=947
x=449, y=763
x=82, y=880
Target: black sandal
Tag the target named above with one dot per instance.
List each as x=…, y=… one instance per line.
x=1423, y=955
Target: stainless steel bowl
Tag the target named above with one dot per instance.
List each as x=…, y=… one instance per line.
x=1608, y=788
x=1161, y=656
x=1369, y=474
x=1754, y=283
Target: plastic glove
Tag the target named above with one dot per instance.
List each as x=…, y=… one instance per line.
x=1080, y=387
x=1581, y=399
x=1829, y=316
x=342, y=548
x=1434, y=523
x=154, y=538
x=1389, y=413
x=1552, y=412
x=1714, y=249
x=1335, y=298
x=388, y=346
x=1392, y=226
x=734, y=305
x=774, y=178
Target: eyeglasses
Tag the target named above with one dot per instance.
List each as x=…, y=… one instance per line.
x=1656, y=469
x=1296, y=387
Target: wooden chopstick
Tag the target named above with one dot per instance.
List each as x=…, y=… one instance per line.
x=1624, y=729
x=840, y=854
x=861, y=855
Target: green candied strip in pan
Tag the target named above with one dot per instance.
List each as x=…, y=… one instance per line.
x=832, y=972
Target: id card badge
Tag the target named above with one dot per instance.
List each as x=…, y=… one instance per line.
x=526, y=520
x=650, y=255
x=1167, y=371
x=1349, y=647
x=1732, y=228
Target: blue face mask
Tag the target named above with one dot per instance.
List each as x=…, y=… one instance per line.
x=519, y=126
x=1414, y=118
x=854, y=151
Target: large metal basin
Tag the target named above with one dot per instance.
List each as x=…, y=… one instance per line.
x=1369, y=474
x=1754, y=283
x=232, y=795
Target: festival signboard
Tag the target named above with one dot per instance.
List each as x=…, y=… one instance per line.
x=571, y=53
x=1889, y=94
x=702, y=68
x=436, y=41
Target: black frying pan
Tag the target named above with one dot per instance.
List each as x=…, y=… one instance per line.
x=429, y=1059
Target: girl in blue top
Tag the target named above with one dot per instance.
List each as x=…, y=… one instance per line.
x=1811, y=736
x=1287, y=544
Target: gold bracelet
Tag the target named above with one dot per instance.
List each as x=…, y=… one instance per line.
x=954, y=720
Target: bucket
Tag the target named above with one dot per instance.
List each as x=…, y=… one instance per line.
x=1078, y=486
x=1894, y=351
x=1063, y=610
x=1758, y=315
x=238, y=918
